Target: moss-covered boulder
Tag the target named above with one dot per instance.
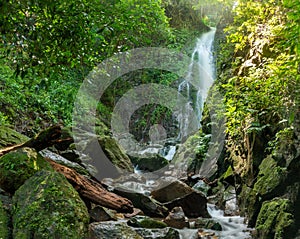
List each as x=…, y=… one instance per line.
x=146, y=222
x=270, y=183
x=275, y=220
x=150, y=164
x=47, y=206
x=100, y=153
x=118, y=230
x=10, y=137
x=17, y=166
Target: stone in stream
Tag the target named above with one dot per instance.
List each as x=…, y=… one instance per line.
x=169, y=189
x=113, y=230
x=174, y=193
x=194, y=205
x=145, y=222
x=100, y=214
x=148, y=205
x=207, y=224
x=177, y=219
x=151, y=163
x=164, y=233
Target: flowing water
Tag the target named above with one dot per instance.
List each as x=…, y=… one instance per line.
x=200, y=77
x=195, y=87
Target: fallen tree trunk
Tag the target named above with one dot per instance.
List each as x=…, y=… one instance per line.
x=87, y=188
x=93, y=191
x=41, y=141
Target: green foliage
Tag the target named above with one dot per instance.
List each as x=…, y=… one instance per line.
x=260, y=79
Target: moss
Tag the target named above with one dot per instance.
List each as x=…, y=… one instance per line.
x=269, y=183
x=10, y=137
x=47, y=207
x=17, y=166
x=146, y=222
x=4, y=223
x=270, y=177
x=275, y=219
x=115, y=153
x=112, y=230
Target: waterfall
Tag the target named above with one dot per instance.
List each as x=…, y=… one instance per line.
x=200, y=76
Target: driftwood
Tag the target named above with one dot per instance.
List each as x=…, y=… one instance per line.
x=43, y=140
x=87, y=188
x=93, y=191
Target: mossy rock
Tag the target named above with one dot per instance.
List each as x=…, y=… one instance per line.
x=116, y=230
x=146, y=222
x=17, y=166
x=4, y=222
x=270, y=183
x=270, y=177
x=208, y=224
x=48, y=207
x=275, y=220
x=150, y=164
x=10, y=137
x=115, y=153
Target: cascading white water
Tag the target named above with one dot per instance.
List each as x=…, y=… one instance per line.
x=200, y=75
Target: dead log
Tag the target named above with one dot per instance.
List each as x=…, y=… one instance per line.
x=93, y=191
x=41, y=141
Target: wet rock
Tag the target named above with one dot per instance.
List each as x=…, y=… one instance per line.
x=207, y=224
x=269, y=184
x=151, y=163
x=275, y=219
x=206, y=235
x=101, y=153
x=169, y=189
x=148, y=205
x=100, y=214
x=177, y=219
x=17, y=166
x=47, y=206
x=194, y=205
x=9, y=137
x=145, y=222
x=136, y=212
x=165, y=233
x=202, y=187
x=61, y=160
x=117, y=230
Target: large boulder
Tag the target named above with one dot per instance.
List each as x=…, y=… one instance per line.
x=194, y=205
x=47, y=206
x=118, y=230
x=17, y=166
x=270, y=183
x=150, y=164
x=275, y=219
x=101, y=153
x=148, y=205
x=174, y=193
x=169, y=189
